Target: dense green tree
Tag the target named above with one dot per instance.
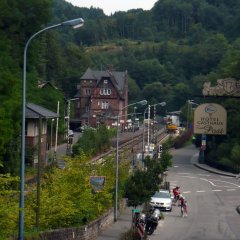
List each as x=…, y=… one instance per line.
x=230, y=62
x=133, y=89
x=142, y=184
x=154, y=92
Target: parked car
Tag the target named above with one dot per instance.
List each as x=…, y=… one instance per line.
x=83, y=128
x=162, y=199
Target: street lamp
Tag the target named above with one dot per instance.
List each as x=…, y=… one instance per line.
x=143, y=141
x=143, y=102
x=189, y=103
x=75, y=23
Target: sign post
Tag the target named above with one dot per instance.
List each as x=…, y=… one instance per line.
x=209, y=119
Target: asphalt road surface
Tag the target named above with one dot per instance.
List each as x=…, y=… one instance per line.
x=212, y=201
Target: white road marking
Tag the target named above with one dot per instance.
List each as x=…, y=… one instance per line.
x=204, y=175
x=204, y=179
x=188, y=176
x=175, y=166
x=183, y=173
x=215, y=180
x=225, y=182
x=200, y=191
x=216, y=190
x=187, y=192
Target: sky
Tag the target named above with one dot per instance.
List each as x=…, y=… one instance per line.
x=110, y=6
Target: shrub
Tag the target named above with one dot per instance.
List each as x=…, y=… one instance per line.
x=182, y=139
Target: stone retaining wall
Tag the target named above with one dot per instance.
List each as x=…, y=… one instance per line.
x=87, y=232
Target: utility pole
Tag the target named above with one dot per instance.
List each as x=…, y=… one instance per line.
x=133, y=130
x=154, y=120
x=56, y=137
x=149, y=106
x=39, y=171
x=67, y=125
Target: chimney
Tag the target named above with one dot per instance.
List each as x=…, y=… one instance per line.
x=110, y=68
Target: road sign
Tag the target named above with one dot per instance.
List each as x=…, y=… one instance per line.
x=98, y=183
x=160, y=149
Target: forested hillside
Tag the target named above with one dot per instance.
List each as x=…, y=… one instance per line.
x=168, y=52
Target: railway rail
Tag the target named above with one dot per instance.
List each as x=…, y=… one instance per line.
x=132, y=142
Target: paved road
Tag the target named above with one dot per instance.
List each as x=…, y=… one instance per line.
x=212, y=201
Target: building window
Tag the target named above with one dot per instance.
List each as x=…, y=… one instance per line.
x=105, y=105
x=105, y=91
x=86, y=108
x=88, y=91
x=105, y=81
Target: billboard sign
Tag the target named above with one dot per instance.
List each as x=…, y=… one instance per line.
x=98, y=183
x=211, y=119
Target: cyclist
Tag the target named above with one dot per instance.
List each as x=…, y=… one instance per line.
x=176, y=193
x=183, y=205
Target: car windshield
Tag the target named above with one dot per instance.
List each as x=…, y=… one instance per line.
x=161, y=195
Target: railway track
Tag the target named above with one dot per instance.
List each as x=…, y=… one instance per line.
x=131, y=143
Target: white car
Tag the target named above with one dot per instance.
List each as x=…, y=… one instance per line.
x=162, y=199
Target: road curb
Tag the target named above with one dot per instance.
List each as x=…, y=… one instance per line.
x=214, y=171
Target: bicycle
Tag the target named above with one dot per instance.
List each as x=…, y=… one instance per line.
x=184, y=209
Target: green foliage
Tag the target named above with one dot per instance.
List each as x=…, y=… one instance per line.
x=9, y=209
x=142, y=184
x=184, y=137
x=8, y=205
x=224, y=155
x=134, y=89
x=67, y=198
x=169, y=52
x=166, y=157
x=93, y=141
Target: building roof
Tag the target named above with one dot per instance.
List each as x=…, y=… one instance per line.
x=44, y=84
x=35, y=111
x=118, y=78
x=175, y=112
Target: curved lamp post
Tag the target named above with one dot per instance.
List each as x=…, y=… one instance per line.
x=75, y=23
x=189, y=109
x=143, y=142
x=143, y=102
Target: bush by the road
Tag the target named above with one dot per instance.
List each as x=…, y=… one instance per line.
x=180, y=140
x=93, y=141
